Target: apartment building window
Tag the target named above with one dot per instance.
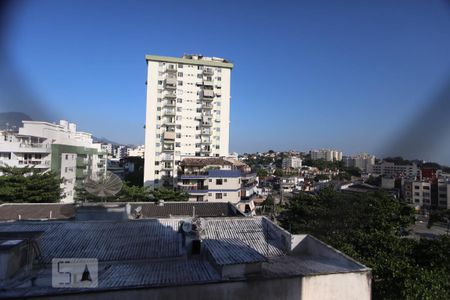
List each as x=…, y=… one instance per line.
x=177, y=145
x=180, y=74
x=180, y=82
x=158, y=136
x=156, y=172
x=224, y=194
x=426, y=188
x=225, y=180
x=67, y=157
x=180, y=66
x=179, y=100
x=417, y=194
x=219, y=196
x=219, y=78
x=159, y=99
x=159, y=82
x=178, y=135
x=156, y=163
x=179, y=109
x=416, y=187
x=158, y=118
x=219, y=181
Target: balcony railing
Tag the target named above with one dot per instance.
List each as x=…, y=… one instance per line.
x=168, y=103
x=169, y=95
x=208, y=71
x=169, y=135
x=166, y=157
x=169, y=112
x=170, y=69
x=208, y=83
x=208, y=93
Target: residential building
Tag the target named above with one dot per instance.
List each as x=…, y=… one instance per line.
x=218, y=179
x=326, y=154
x=71, y=154
x=136, y=152
x=188, y=113
x=362, y=161
x=421, y=191
x=293, y=162
x=172, y=258
x=108, y=148
x=385, y=168
x=121, y=152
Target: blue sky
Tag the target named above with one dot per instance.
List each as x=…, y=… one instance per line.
x=344, y=74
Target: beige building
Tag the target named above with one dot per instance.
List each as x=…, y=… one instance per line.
x=188, y=113
x=326, y=154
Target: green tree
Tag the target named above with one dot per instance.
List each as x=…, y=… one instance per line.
x=260, y=172
x=369, y=227
x=168, y=194
x=279, y=173
x=29, y=185
x=133, y=193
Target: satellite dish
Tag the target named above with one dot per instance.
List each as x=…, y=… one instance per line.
x=107, y=186
x=187, y=226
x=138, y=209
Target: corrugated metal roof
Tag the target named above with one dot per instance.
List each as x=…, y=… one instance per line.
x=253, y=232
x=106, y=241
x=232, y=251
x=158, y=273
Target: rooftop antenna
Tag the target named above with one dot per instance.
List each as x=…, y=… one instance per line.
x=107, y=186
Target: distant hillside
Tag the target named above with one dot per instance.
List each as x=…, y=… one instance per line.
x=12, y=120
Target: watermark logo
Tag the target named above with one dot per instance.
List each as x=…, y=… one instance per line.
x=74, y=272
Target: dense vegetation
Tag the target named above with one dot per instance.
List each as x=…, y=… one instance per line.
x=372, y=229
x=29, y=185
x=134, y=193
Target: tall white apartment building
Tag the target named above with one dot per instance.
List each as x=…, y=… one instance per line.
x=363, y=161
x=326, y=154
x=291, y=162
x=188, y=112
x=71, y=154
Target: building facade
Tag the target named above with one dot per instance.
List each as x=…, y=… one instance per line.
x=362, y=161
x=71, y=154
x=390, y=169
x=291, y=162
x=188, y=112
x=326, y=154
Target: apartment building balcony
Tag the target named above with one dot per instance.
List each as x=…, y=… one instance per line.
x=167, y=166
x=208, y=71
x=169, y=103
x=166, y=157
x=169, y=112
x=170, y=69
x=205, y=141
x=168, y=147
x=219, y=93
x=169, y=95
x=208, y=83
x=205, y=149
x=82, y=161
x=207, y=106
x=206, y=124
x=169, y=122
x=205, y=132
x=169, y=135
x=208, y=93
x=37, y=163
